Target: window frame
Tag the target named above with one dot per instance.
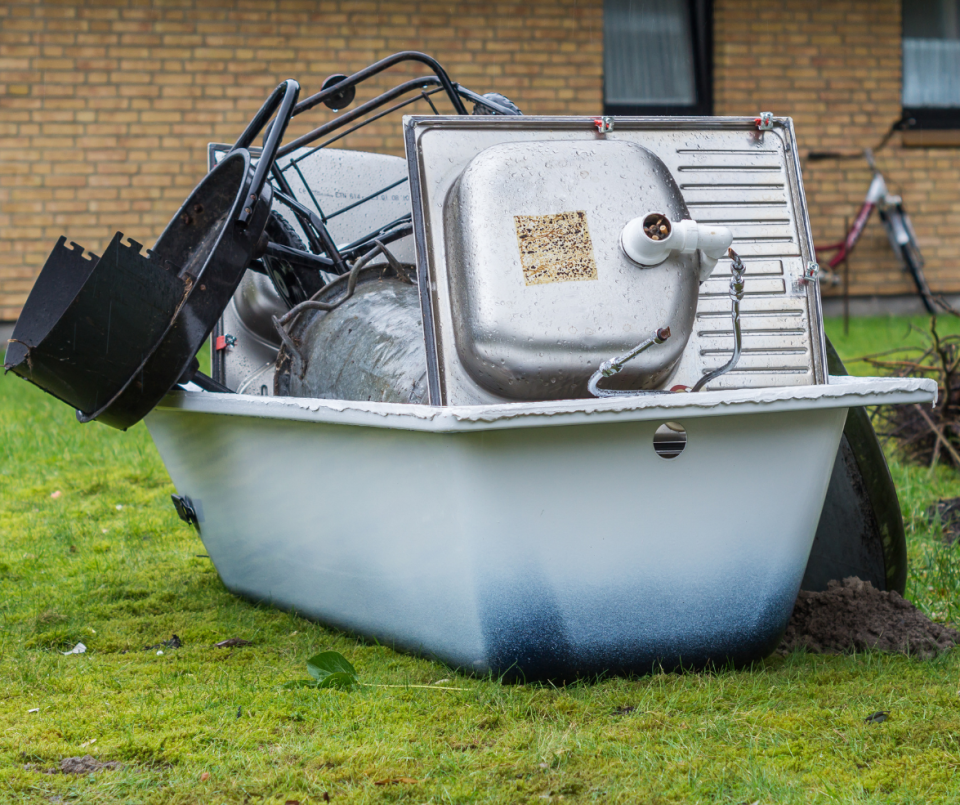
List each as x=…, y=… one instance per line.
x=931, y=118
x=701, y=23
x=924, y=118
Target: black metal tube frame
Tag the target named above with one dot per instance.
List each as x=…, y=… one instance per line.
x=315, y=226
x=360, y=111
x=379, y=67
x=281, y=101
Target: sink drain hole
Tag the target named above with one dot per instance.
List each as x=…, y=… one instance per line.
x=669, y=440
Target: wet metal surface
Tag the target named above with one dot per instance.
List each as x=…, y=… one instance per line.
x=727, y=174
x=369, y=348
x=327, y=179
x=540, y=291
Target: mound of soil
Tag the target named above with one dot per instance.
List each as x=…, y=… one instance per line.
x=85, y=765
x=853, y=616
x=76, y=765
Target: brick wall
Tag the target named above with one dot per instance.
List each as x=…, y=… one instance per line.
x=106, y=106
x=834, y=66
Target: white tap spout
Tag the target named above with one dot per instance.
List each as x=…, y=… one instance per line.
x=650, y=239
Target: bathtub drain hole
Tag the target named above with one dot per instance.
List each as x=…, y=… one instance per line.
x=669, y=440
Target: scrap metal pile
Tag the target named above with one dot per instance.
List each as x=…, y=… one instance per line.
x=524, y=314
x=327, y=303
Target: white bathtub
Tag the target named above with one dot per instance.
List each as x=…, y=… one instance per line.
x=542, y=540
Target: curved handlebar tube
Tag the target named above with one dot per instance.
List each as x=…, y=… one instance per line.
x=359, y=111
x=379, y=67
x=284, y=97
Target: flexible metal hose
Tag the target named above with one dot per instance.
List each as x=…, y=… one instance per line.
x=614, y=365
x=736, y=297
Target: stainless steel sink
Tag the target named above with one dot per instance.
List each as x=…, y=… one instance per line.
x=540, y=289
x=493, y=335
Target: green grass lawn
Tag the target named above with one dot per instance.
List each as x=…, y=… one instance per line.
x=107, y=563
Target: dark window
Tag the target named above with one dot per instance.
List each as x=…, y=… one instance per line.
x=657, y=57
x=931, y=63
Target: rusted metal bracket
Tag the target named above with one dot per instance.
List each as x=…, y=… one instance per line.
x=603, y=124
x=222, y=342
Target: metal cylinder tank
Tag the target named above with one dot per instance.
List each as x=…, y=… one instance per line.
x=369, y=348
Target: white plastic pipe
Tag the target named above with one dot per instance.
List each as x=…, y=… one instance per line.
x=682, y=237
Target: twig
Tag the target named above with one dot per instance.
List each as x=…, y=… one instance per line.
x=936, y=456
x=940, y=437
x=425, y=687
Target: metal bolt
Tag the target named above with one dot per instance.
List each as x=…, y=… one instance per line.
x=811, y=273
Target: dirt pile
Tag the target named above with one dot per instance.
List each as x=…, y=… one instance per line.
x=76, y=765
x=853, y=616
x=85, y=765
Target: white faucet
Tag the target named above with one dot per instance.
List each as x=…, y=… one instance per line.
x=652, y=238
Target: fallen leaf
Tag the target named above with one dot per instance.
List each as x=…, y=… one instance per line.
x=56, y=494
x=34, y=710
x=232, y=642
x=91, y=741
x=204, y=777
x=119, y=507
x=440, y=681
x=77, y=649
x=396, y=780
x=331, y=670
x=173, y=642
x=877, y=718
